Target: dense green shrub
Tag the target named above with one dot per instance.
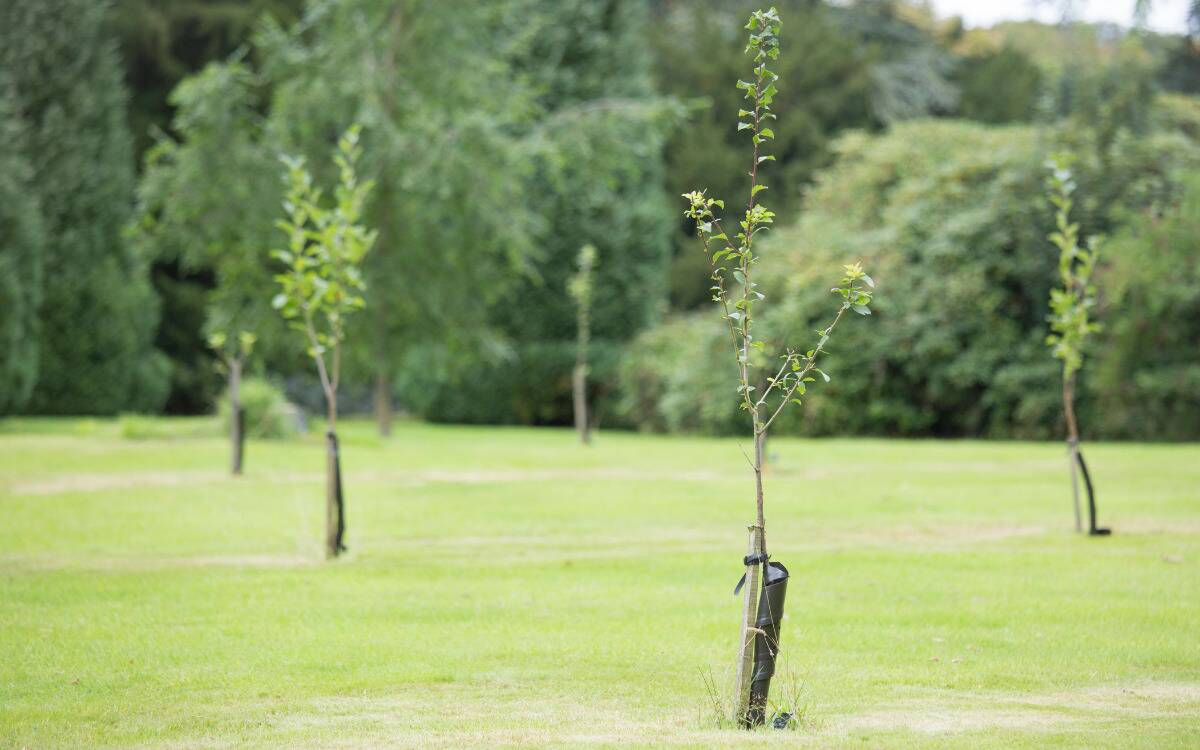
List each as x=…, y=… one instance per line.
x=269, y=415
x=1177, y=113
x=999, y=86
x=675, y=378
x=1147, y=369
x=950, y=217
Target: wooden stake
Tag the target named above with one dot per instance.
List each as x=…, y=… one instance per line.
x=331, y=501
x=1072, y=442
x=745, y=662
x=1074, y=461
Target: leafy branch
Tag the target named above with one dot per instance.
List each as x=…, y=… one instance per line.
x=1070, y=304
x=323, y=282
x=735, y=257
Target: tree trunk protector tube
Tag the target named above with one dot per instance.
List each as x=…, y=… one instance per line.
x=1087, y=481
x=337, y=478
x=240, y=448
x=766, y=642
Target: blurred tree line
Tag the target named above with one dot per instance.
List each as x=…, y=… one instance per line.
x=140, y=183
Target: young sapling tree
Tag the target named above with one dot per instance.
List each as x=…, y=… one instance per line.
x=580, y=287
x=232, y=353
x=322, y=286
x=1070, y=319
x=763, y=393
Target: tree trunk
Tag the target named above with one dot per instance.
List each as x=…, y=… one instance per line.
x=237, y=418
x=335, y=522
x=383, y=404
x=1072, y=444
x=579, y=390
x=745, y=661
x=755, y=557
x=760, y=444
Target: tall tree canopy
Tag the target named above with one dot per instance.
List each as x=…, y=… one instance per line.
x=164, y=41
x=207, y=203
x=443, y=115
x=596, y=179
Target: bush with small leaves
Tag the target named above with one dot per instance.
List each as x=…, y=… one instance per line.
x=269, y=415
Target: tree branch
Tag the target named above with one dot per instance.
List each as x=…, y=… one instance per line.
x=812, y=363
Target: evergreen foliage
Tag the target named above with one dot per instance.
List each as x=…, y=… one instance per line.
x=163, y=41
x=98, y=311
x=21, y=248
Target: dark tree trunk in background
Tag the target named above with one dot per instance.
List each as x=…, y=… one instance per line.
x=745, y=660
x=383, y=404
x=579, y=391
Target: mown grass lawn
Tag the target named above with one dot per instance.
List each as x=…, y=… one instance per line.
x=506, y=587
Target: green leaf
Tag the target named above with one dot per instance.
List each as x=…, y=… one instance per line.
x=862, y=309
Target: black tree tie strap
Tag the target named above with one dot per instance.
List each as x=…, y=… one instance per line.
x=758, y=558
x=337, y=480
x=1093, y=530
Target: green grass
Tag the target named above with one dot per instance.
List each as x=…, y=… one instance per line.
x=506, y=587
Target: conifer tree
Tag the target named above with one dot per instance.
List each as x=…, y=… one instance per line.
x=20, y=267
x=98, y=312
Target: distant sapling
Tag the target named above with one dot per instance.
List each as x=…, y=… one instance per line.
x=232, y=353
x=1070, y=319
x=322, y=286
x=580, y=287
x=763, y=395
